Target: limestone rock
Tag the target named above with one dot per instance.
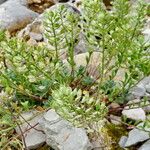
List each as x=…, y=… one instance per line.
x=136, y=136
x=122, y=141
x=134, y=113
x=145, y=146
x=115, y=119
x=34, y=137
x=148, y=88
x=14, y=16
x=61, y=135
x=2, y=1
x=37, y=27
x=138, y=91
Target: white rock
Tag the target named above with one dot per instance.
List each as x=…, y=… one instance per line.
x=136, y=136
x=135, y=113
x=146, y=33
x=61, y=135
x=115, y=119
x=138, y=91
x=145, y=146
x=34, y=137
x=148, y=88
x=122, y=141
x=14, y=16
x=36, y=36
x=145, y=81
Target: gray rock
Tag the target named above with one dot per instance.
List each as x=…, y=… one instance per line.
x=34, y=137
x=138, y=91
x=115, y=119
x=38, y=24
x=20, y=2
x=148, y=88
x=147, y=108
x=61, y=135
x=123, y=141
x=145, y=146
x=135, y=113
x=136, y=136
x=14, y=16
x=2, y=1
x=36, y=36
x=145, y=81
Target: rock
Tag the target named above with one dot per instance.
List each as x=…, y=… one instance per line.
x=138, y=91
x=146, y=33
x=113, y=106
x=37, y=37
x=145, y=146
x=148, y=88
x=136, y=136
x=14, y=16
x=92, y=69
x=147, y=108
x=2, y=1
x=32, y=42
x=35, y=136
x=135, y=113
x=122, y=141
x=145, y=81
x=20, y=2
x=115, y=119
x=137, y=103
x=38, y=25
x=61, y=135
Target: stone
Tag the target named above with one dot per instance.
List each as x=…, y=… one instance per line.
x=148, y=88
x=61, y=135
x=38, y=25
x=138, y=91
x=122, y=141
x=34, y=137
x=14, y=16
x=136, y=136
x=92, y=68
x=137, y=114
x=2, y=1
x=145, y=81
x=115, y=120
x=145, y=146
x=20, y=2
x=147, y=107
x=114, y=106
x=32, y=42
x=36, y=36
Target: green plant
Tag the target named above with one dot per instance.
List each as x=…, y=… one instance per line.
x=8, y=122
x=77, y=106
x=62, y=32
x=29, y=71
x=31, y=75
x=115, y=34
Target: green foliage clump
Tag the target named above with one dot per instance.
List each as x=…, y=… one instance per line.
x=77, y=106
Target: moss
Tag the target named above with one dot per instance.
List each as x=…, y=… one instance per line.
x=115, y=132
